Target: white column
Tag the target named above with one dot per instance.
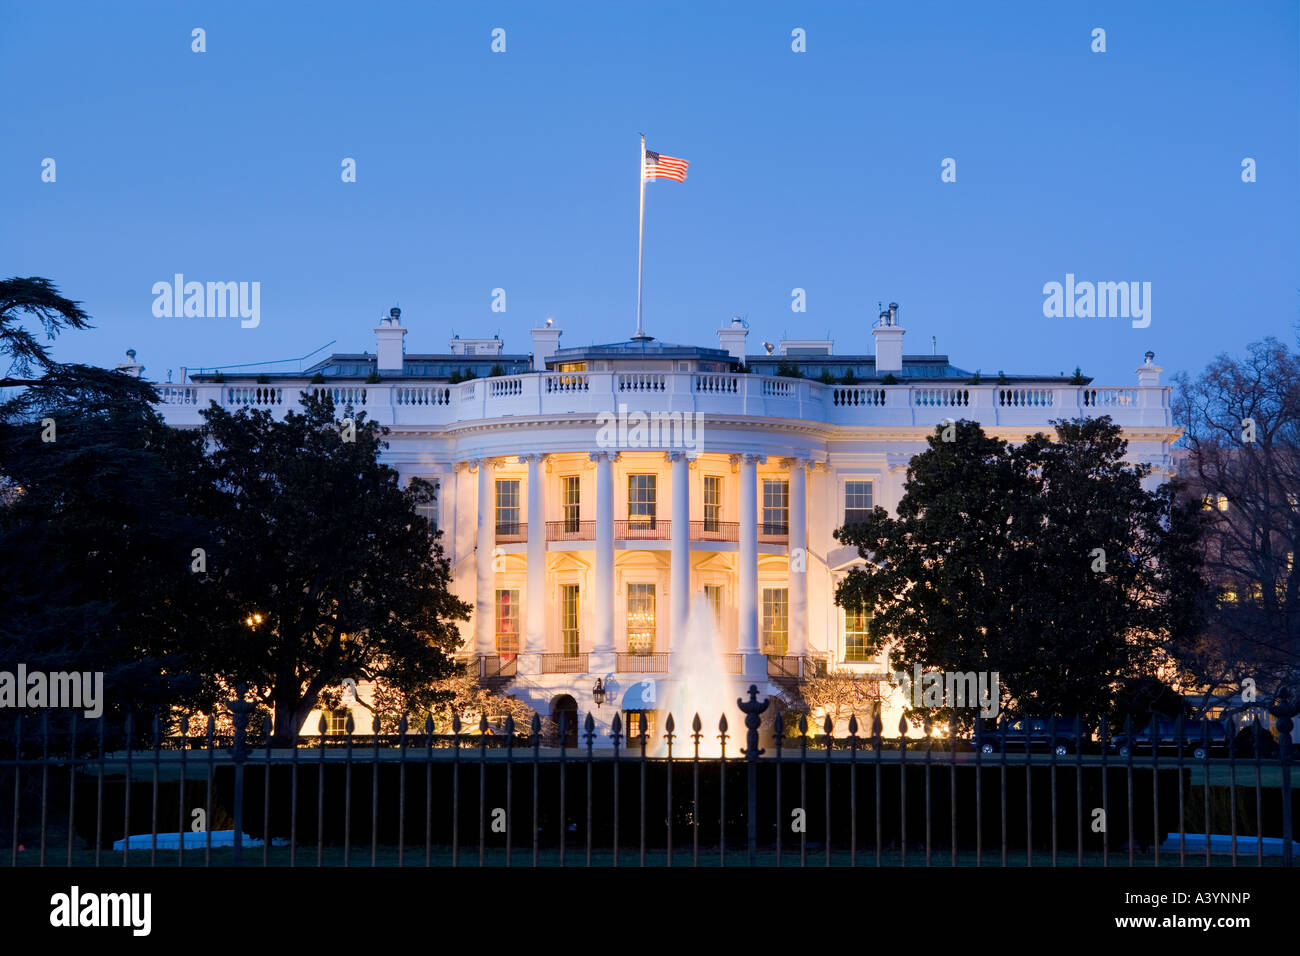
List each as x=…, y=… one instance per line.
x=485, y=544
x=680, y=576
x=798, y=557
x=747, y=570
x=535, y=608
x=602, y=658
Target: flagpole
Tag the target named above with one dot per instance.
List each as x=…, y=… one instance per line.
x=640, y=247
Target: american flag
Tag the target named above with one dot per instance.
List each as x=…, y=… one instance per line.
x=658, y=166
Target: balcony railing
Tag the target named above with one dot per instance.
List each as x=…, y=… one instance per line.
x=715, y=531
x=724, y=394
x=564, y=663
x=570, y=531
x=512, y=533
x=642, y=663
x=653, y=530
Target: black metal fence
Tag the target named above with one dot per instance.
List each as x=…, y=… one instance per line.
x=84, y=795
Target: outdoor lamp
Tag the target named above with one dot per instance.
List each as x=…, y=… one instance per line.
x=598, y=692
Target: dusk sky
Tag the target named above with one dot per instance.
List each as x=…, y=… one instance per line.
x=817, y=170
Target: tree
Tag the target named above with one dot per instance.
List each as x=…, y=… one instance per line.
x=1242, y=421
x=460, y=693
x=321, y=564
x=33, y=296
x=993, y=564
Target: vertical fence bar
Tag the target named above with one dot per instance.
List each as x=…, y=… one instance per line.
x=320, y=792
x=1284, y=711
x=374, y=793
x=778, y=727
x=877, y=744
x=1179, y=727
x=1029, y=796
x=902, y=791
x=928, y=728
x=1104, y=733
x=952, y=781
x=1232, y=785
x=45, y=784
x=241, y=710
x=99, y=794
x=696, y=726
x=1259, y=797
x=615, y=734
x=482, y=789
x=979, y=789
x=293, y=802
x=510, y=788
x=669, y=726
x=803, y=789
x=564, y=816
x=1155, y=799
x=643, y=742
x=428, y=791
x=1205, y=784
x=1078, y=790
x=590, y=733
x=537, y=769
x=722, y=792
x=1051, y=774
x=455, y=789
x=853, y=790
x=1002, y=763
x=72, y=784
x=1128, y=763
x=401, y=791
x=126, y=791
x=829, y=727
x=349, y=726
x=153, y=806
x=18, y=772
x=266, y=792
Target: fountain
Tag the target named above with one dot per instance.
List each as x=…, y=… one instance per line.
x=698, y=683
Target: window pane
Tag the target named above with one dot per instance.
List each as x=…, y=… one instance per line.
x=857, y=646
x=776, y=621
x=569, y=619
x=429, y=511
x=641, y=500
x=508, y=506
x=641, y=618
x=572, y=509
x=714, y=594
x=712, y=502
x=857, y=501
x=776, y=507
x=507, y=621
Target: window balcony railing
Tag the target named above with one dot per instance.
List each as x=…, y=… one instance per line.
x=652, y=529
x=564, y=663
x=512, y=532
x=633, y=663
x=570, y=531
x=715, y=531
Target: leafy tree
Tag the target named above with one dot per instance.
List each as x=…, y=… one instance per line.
x=992, y=565
x=460, y=693
x=38, y=298
x=321, y=563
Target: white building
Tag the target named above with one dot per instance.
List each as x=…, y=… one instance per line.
x=587, y=494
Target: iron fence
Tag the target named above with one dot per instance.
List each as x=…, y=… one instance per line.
x=87, y=794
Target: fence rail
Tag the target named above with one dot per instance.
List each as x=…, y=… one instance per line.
x=86, y=793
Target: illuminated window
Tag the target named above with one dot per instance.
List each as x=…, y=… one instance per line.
x=857, y=501
x=641, y=501
x=776, y=621
x=712, y=502
x=507, y=621
x=635, y=722
x=508, y=506
x=572, y=503
x=569, y=619
x=336, y=721
x=776, y=507
x=713, y=592
x=641, y=618
x=429, y=511
x=857, y=646
x=1222, y=502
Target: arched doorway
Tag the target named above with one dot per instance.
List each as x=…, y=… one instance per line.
x=566, y=705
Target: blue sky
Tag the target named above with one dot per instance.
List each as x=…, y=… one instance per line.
x=818, y=170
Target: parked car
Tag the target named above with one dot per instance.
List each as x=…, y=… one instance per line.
x=1199, y=738
x=1027, y=734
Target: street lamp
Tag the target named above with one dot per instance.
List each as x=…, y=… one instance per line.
x=598, y=692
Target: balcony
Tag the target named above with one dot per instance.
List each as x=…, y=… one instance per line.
x=652, y=529
x=715, y=531
x=570, y=531
x=564, y=663
x=630, y=663
x=547, y=394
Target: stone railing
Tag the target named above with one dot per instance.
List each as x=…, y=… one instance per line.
x=587, y=394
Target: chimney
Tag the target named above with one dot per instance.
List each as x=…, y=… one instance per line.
x=545, y=341
x=131, y=367
x=889, y=341
x=732, y=338
x=389, y=347
x=1149, y=372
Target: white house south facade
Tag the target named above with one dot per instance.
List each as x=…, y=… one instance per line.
x=589, y=496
